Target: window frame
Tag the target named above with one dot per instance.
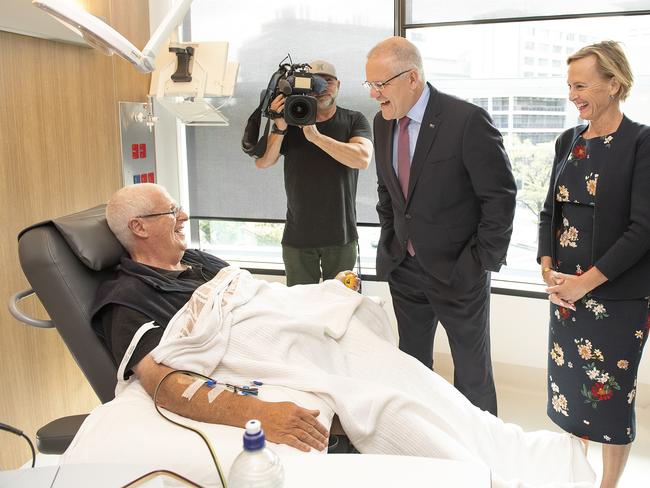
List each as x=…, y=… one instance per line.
x=499, y=286
x=503, y=287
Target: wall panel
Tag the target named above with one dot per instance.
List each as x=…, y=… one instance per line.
x=59, y=153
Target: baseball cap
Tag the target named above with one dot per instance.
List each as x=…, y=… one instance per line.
x=320, y=67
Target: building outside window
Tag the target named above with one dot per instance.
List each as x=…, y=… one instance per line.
x=501, y=121
x=539, y=111
x=500, y=104
x=481, y=102
x=238, y=210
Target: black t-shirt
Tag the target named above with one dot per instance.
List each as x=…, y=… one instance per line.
x=120, y=323
x=321, y=192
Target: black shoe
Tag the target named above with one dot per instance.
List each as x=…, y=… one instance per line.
x=340, y=444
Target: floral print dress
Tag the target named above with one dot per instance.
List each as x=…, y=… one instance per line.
x=594, y=352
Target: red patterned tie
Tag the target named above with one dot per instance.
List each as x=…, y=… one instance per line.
x=403, y=155
x=404, y=164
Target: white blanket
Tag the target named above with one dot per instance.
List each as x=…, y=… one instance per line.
x=338, y=345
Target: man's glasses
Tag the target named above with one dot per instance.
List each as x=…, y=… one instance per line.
x=174, y=211
x=380, y=85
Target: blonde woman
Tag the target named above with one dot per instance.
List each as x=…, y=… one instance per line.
x=594, y=250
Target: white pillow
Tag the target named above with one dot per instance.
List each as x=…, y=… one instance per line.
x=128, y=430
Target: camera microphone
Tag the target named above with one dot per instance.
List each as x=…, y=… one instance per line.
x=284, y=87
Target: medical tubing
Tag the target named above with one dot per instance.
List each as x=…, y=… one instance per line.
x=358, y=263
x=162, y=473
x=19, y=433
x=196, y=431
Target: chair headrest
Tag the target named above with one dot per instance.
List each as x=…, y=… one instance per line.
x=89, y=237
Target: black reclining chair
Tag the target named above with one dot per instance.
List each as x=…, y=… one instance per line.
x=65, y=260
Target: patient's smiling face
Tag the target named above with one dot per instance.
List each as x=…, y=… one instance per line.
x=166, y=233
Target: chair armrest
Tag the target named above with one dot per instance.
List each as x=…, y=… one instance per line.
x=22, y=316
x=55, y=437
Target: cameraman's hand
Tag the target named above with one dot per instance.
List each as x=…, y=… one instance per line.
x=311, y=133
x=277, y=105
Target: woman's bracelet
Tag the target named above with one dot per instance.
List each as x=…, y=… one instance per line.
x=545, y=270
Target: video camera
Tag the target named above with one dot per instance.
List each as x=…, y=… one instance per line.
x=297, y=84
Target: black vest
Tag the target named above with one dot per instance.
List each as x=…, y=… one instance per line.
x=156, y=295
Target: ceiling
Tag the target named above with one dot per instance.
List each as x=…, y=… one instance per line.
x=21, y=17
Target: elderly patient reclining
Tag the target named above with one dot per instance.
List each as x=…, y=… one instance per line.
x=324, y=339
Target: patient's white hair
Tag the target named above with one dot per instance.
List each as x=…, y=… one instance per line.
x=127, y=203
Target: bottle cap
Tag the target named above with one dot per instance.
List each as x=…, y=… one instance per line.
x=254, y=436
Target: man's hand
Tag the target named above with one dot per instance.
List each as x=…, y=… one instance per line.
x=274, y=141
x=283, y=422
x=277, y=106
x=311, y=133
x=287, y=423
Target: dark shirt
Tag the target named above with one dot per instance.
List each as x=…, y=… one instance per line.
x=120, y=323
x=321, y=192
x=141, y=294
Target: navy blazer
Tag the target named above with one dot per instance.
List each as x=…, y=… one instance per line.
x=621, y=236
x=461, y=196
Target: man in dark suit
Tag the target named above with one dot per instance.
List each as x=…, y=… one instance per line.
x=446, y=205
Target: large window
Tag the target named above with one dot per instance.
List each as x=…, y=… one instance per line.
x=425, y=11
x=490, y=54
x=492, y=68
x=240, y=207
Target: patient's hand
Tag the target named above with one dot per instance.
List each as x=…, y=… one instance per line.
x=349, y=279
x=283, y=422
x=287, y=423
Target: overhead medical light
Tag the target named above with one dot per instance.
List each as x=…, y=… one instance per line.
x=189, y=76
x=197, y=88
x=102, y=36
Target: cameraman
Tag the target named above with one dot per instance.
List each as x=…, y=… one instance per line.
x=321, y=168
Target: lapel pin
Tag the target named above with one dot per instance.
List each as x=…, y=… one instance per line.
x=433, y=126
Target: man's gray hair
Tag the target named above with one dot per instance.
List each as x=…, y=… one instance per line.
x=401, y=54
x=127, y=203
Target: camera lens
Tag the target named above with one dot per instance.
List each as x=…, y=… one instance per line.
x=300, y=110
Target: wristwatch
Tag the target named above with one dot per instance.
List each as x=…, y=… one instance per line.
x=276, y=130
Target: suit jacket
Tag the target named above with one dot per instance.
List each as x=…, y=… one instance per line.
x=461, y=196
x=621, y=234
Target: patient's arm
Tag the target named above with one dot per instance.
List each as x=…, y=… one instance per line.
x=283, y=422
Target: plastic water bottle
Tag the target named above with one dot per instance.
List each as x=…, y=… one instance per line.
x=256, y=466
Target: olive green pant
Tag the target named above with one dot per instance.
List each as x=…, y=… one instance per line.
x=307, y=265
